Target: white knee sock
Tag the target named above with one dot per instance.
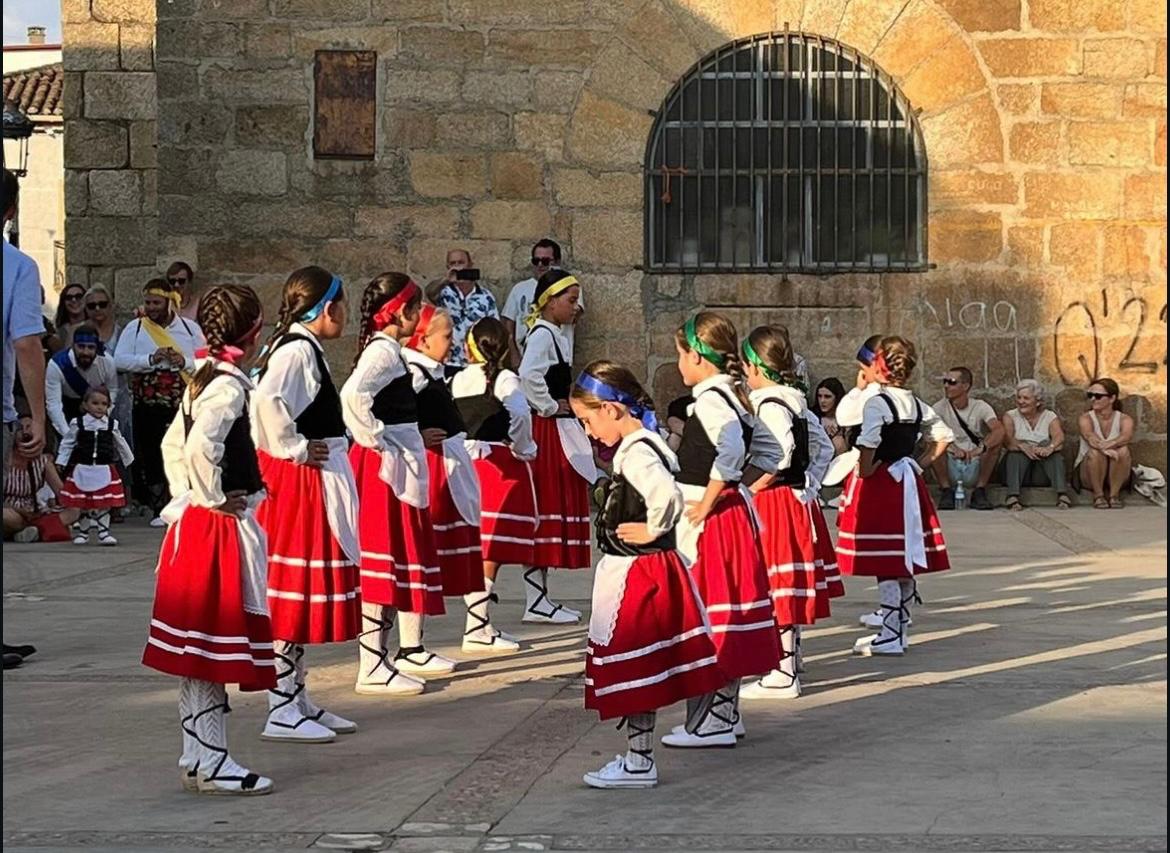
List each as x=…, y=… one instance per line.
x=477, y=604
x=640, y=741
x=189, y=760
x=410, y=629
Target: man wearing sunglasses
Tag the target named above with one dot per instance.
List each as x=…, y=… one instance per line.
x=546, y=255
x=74, y=371
x=972, y=456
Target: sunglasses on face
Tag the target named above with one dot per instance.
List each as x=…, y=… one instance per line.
x=542, y=262
x=178, y=281
x=1096, y=395
x=97, y=306
x=74, y=297
x=950, y=381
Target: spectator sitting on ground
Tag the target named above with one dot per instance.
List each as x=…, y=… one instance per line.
x=1033, y=438
x=70, y=314
x=825, y=399
x=973, y=455
x=28, y=516
x=72, y=372
x=1104, y=453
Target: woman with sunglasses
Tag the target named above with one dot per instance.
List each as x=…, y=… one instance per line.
x=181, y=277
x=1033, y=438
x=70, y=313
x=1104, y=450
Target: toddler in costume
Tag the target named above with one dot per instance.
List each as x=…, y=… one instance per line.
x=92, y=448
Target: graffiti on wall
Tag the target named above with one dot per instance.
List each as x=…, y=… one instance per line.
x=991, y=321
x=1082, y=328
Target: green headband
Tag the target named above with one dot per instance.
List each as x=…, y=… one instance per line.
x=699, y=346
x=752, y=356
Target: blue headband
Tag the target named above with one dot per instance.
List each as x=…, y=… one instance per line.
x=594, y=386
x=89, y=338
x=865, y=355
x=330, y=295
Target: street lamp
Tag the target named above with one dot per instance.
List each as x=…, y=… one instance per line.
x=17, y=127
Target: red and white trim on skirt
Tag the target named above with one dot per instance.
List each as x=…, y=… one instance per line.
x=826, y=553
x=199, y=627
x=399, y=566
x=112, y=494
x=508, y=508
x=313, y=586
x=456, y=539
x=562, y=501
x=786, y=539
x=871, y=540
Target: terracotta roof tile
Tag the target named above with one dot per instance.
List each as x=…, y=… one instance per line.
x=37, y=91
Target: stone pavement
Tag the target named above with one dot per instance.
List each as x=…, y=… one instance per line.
x=1029, y=714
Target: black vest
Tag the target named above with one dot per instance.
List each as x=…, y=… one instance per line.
x=485, y=417
x=239, y=467
x=900, y=437
x=94, y=447
x=793, y=475
x=397, y=402
x=622, y=503
x=696, y=453
x=559, y=377
x=322, y=418
x=436, y=406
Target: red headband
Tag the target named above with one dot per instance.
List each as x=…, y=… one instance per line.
x=879, y=364
x=425, y=315
x=389, y=312
x=231, y=353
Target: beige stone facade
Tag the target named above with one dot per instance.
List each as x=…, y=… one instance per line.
x=501, y=121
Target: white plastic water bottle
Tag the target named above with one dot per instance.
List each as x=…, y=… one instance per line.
x=960, y=496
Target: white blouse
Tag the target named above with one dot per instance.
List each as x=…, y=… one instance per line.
x=719, y=414
x=191, y=458
x=289, y=385
x=1028, y=434
x=381, y=362
x=69, y=441
x=850, y=409
x=430, y=368
x=772, y=440
x=877, y=414
x=539, y=355
x=644, y=470
x=471, y=381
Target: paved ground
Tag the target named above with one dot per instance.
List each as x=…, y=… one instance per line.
x=1029, y=714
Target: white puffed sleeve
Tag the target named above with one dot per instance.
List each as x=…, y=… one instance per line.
x=215, y=411
x=123, y=447
x=289, y=385
x=775, y=422
x=68, y=442
x=874, y=415
x=539, y=355
x=508, y=391
x=643, y=469
x=173, y=456
x=820, y=450
x=379, y=364
x=850, y=410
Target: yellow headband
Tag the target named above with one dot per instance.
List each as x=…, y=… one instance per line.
x=473, y=350
x=171, y=295
x=542, y=300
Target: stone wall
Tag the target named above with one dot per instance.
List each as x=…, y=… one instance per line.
x=111, y=160
x=501, y=121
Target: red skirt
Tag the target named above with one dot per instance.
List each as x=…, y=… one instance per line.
x=826, y=553
x=789, y=555
x=870, y=538
x=661, y=651
x=199, y=627
x=312, y=583
x=456, y=540
x=562, y=501
x=109, y=496
x=508, y=508
x=733, y=583
x=399, y=565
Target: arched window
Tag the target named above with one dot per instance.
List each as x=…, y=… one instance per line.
x=785, y=152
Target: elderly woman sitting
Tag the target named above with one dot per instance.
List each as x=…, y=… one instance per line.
x=1104, y=450
x=1033, y=438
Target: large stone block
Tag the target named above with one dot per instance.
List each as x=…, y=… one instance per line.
x=472, y=129
x=261, y=255
x=279, y=126
x=186, y=171
x=1160, y=58
x=1018, y=98
x=605, y=133
x=655, y=35
x=323, y=10
x=582, y=188
x=1160, y=143
x=174, y=80
x=1036, y=142
x=251, y=172
x=194, y=123
x=1076, y=16
x=403, y=127
x=144, y=144
x=115, y=192
x=1031, y=57
x=123, y=11
x=556, y=91
x=522, y=12
x=409, y=10
x=95, y=145
x=1076, y=246
x=267, y=41
x=1025, y=246
x=120, y=95
x=402, y=224
x=822, y=16
x=358, y=260
x=945, y=77
x=607, y=239
x=1145, y=99
x=381, y=39
x=618, y=302
x=1129, y=252
x=136, y=47
x=621, y=75
x=1109, y=143
x=523, y=48
x=120, y=240
x=966, y=134
x=72, y=95
x=441, y=45
x=1145, y=197
x=712, y=23
x=921, y=30
x=427, y=258
x=350, y=181
x=76, y=192
x=1081, y=100
x=1147, y=16
x=965, y=235
x=502, y=88
x=509, y=220
x=981, y=16
x=447, y=175
x=431, y=86
x=90, y=46
x=1072, y=196
x=971, y=188
x=544, y=134
x=256, y=86
x=1120, y=58
x=516, y=175
x=863, y=25
x=220, y=40
x=318, y=220
x=76, y=11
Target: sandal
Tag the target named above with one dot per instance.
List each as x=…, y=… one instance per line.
x=1013, y=503
x=1100, y=502
x=1116, y=503
x=1063, y=502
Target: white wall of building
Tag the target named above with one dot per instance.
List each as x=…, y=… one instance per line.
x=42, y=204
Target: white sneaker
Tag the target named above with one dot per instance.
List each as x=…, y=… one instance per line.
x=106, y=539
x=874, y=619
x=738, y=730
x=488, y=641
x=384, y=683
x=289, y=725
x=28, y=534
x=339, y=725
x=81, y=539
x=760, y=690
x=157, y=521
x=871, y=645
x=617, y=775
x=559, y=615
x=686, y=740
x=243, y=784
x=425, y=663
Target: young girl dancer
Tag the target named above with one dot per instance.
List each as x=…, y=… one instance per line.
x=718, y=532
x=650, y=643
x=776, y=476
x=400, y=573
x=499, y=427
x=454, y=486
x=92, y=448
x=888, y=525
x=210, y=622
x=563, y=469
x=310, y=514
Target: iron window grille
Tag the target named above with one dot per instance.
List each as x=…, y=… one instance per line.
x=785, y=153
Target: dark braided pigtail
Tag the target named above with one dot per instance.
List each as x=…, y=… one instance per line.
x=491, y=338
x=718, y=333
x=228, y=316
x=303, y=289
x=377, y=293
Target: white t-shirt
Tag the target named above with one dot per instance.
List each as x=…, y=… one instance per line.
x=978, y=415
x=516, y=309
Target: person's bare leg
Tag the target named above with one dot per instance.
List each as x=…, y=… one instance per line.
x=941, y=474
x=490, y=570
x=13, y=522
x=1119, y=471
x=1093, y=469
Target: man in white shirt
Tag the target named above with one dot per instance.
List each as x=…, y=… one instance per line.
x=972, y=456
x=72, y=372
x=546, y=255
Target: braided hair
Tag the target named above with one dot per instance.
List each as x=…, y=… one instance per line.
x=303, y=289
x=899, y=357
x=377, y=293
x=718, y=332
x=491, y=338
x=226, y=315
x=774, y=348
